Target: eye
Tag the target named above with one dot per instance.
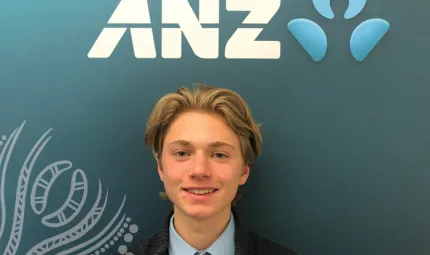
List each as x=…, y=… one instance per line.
x=180, y=153
x=221, y=155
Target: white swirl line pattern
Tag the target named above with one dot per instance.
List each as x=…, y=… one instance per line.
x=98, y=236
x=76, y=232
x=79, y=188
x=13, y=137
x=104, y=240
x=69, y=210
x=44, y=183
x=21, y=194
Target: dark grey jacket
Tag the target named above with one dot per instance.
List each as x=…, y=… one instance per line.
x=246, y=242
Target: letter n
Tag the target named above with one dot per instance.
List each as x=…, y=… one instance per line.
x=203, y=41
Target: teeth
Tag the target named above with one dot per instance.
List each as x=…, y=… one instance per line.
x=200, y=191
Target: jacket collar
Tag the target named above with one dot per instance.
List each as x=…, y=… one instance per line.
x=242, y=239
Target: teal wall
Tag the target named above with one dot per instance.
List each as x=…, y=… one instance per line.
x=345, y=168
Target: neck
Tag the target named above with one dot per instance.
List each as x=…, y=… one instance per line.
x=201, y=233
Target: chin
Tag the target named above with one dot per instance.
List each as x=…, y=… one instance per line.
x=199, y=211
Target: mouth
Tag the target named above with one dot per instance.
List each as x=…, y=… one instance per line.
x=200, y=192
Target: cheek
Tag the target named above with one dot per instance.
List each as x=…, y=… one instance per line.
x=173, y=171
x=231, y=174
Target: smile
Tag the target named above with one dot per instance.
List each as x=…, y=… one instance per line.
x=201, y=191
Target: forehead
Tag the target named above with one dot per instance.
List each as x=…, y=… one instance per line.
x=201, y=128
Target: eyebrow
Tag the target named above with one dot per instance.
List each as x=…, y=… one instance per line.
x=213, y=144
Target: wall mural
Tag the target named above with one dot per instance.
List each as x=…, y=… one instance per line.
x=115, y=235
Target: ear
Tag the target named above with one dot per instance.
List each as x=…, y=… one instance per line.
x=245, y=174
x=160, y=170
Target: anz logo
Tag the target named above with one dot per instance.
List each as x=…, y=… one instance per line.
x=134, y=15
x=363, y=39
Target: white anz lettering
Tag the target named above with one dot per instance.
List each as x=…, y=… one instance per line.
x=203, y=41
x=243, y=44
x=127, y=12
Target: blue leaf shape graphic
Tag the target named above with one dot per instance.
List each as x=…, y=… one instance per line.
x=354, y=8
x=366, y=36
x=311, y=36
x=323, y=8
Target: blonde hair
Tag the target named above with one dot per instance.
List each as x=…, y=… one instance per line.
x=227, y=103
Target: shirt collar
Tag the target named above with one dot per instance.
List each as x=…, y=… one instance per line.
x=223, y=245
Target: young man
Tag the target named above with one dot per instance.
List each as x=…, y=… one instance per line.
x=205, y=142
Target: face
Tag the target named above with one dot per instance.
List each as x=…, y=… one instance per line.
x=202, y=164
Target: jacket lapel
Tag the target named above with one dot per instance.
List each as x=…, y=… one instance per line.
x=244, y=243
x=160, y=242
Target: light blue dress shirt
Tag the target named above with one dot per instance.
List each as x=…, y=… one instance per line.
x=224, y=245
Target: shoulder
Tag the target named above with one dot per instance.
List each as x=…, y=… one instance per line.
x=266, y=246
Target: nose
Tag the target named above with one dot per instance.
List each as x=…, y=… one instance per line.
x=200, y=166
